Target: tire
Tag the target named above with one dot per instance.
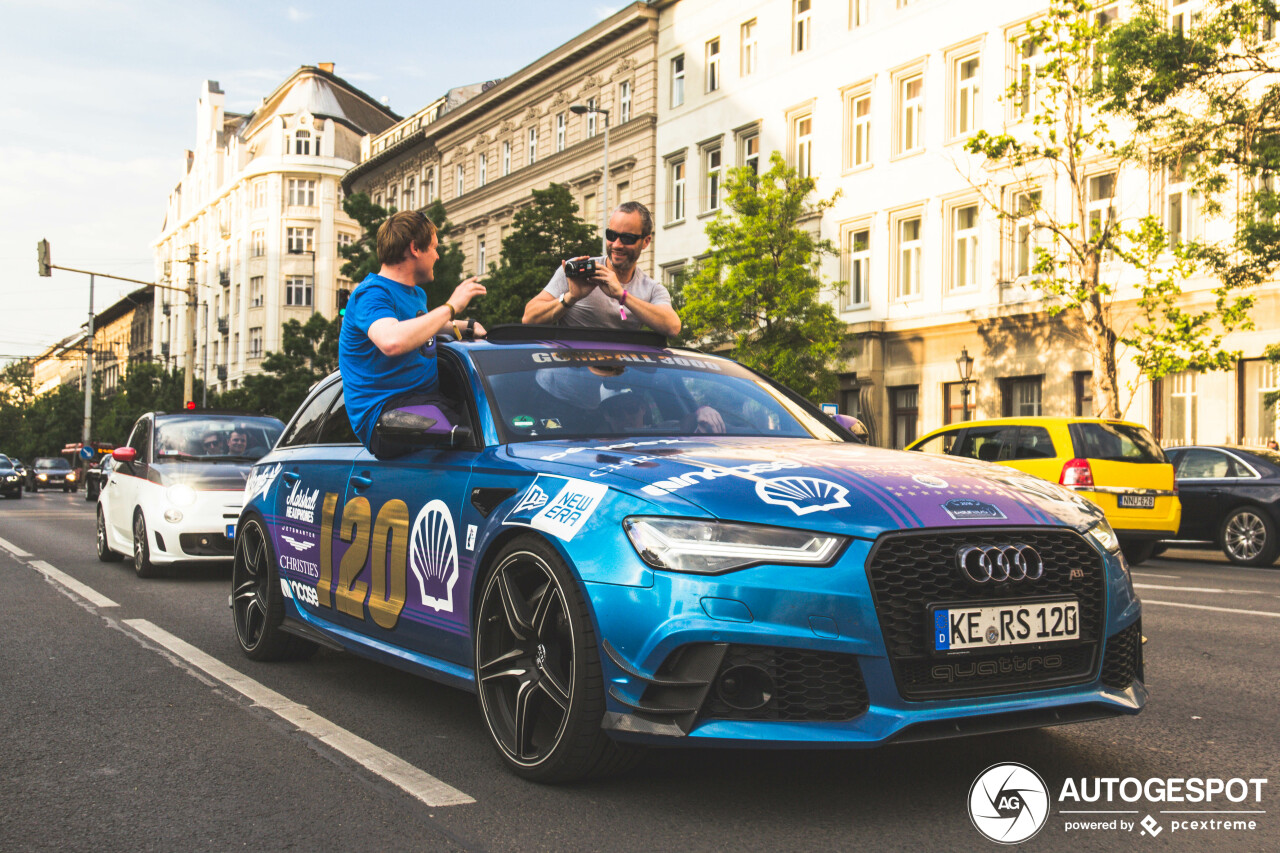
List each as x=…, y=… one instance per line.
x=1137, y=553
x=105, y=554
x=66, y=489
x=537, y=669
x=257, y=605
x=18, y=494
x=90, y=494
x=1248, y=537
x=142, y=565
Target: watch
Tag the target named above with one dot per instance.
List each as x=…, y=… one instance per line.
x=564, y=299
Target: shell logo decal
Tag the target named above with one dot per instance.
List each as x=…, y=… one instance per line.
x=433, y=555
x=802, y=494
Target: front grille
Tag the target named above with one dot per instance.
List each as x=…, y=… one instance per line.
x=910, y=571
x=807, y=686
x=1123, y=659
x=205, y=544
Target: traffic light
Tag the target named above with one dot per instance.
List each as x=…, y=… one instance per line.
x=191, y=404
x=343, y=295
x=42, y=258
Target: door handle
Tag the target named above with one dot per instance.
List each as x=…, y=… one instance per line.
x=292, y=477
x=360, y=481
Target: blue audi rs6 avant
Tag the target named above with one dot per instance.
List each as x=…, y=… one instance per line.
x=616, y=543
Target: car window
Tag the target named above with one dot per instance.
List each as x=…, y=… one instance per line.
x=1116, y=443
x=139, y=440
x=214, y=437
x=305, y=427
x=337, y=426
x=1034, y=443
x=52, y=465
x=940, y=444
x=1200, y=463
x=988, y=443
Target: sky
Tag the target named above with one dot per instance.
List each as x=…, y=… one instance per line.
x=98, y=106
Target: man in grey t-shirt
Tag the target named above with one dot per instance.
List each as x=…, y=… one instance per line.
x=620, y=295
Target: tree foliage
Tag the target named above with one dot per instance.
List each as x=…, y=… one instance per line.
x=759, y=290
x=308, y=353
x=543, y=234
x=448, y=269
x=1064, y=158
x=362, y=255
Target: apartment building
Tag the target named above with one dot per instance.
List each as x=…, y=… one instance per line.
x=875, y=99
x=482, y=153
x=260, y=204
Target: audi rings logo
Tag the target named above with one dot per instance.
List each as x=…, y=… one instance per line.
x=999, y=563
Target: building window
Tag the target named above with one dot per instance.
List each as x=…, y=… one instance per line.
x=676, y=169
x=457, y=180
x=560, y=132
x=1030, y=64
x=623, y=190
x=802, y=137
x=751, y=151
x=1101, y=214
x=677, y=81
x=591, y=117
x=967, y=105
x=589, y=207
x=1179, y=408
x=964, y=246
x=1257, y=420
x=801, y=25
x=910, y=130
x=480, y=255
x=1182, y=208
x=482, y=170
x=1021, y=396
x=255, y=342
x=429, y=185
x=750, y=49
x=410, y=193
x=298, y=240
x=392, y=195
x=858, y=292
x=624, y=102
x=713, y=65
x=506, y=157
x=904, y=414
x=859, y=13
x=301, y=192
x=297, y=290
x=1082, y=381
x=255, y=292
x=345, y=240
x=533, y=145
x=259, y=195
x=859, y=130
x=957, y=402
x=1026, y=236
x=302, y=142
x=910, y=249
x=258, y=244
x=711, y=186
x=378, y=201
x=1183, y=16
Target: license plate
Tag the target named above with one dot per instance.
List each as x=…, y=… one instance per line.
x=231, y=531
x=1137, y=502
x=996, y=626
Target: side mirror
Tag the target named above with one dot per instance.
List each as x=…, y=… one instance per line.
x=124, y=454
x=854, y=426
x=421, y=426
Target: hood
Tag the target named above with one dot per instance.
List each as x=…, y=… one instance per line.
x=203, y=476
x=848, y=488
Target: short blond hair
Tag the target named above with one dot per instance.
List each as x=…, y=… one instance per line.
x=400, y=231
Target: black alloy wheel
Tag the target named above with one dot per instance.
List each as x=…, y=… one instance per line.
x=105, y=554
x=257, y=604
x=1249, y=537
x=142, y=565
x=537, y=669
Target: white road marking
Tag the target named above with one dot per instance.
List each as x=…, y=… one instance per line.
x=1150, y=575
x=395, y=770
x=1147, y=601
x=88, y=593
x=13, y=549
x=1210, y=589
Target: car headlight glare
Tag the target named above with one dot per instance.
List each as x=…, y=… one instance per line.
x=181, y=495
x=709, y=547
x=1104, y=536
x=42, y=476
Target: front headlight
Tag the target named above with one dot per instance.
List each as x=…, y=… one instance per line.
x=710, y=547
x=71, y=477
x=42, y=476
x=181, y=495
x=1104, y=536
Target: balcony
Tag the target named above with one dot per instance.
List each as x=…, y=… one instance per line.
x=166, y=309
x=224, y=277
x=164, y=349
x=222, y=373
x=224, y=324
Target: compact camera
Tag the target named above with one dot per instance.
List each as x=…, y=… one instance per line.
x=580, y=268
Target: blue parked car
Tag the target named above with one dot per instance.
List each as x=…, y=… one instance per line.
x=623, y=543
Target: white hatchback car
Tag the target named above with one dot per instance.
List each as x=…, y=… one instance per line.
x=177, y=487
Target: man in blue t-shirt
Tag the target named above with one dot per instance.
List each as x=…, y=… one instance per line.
x=386, y=351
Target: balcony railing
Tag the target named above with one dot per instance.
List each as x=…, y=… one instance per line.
x=224, y=278
x=222, y=373
x=224, y=324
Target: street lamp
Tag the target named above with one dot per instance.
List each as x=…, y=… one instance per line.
x=584, y=109
x=965, y=363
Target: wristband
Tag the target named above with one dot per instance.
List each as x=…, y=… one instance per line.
x=622, y=305
x=452, y=312
x=457, y=335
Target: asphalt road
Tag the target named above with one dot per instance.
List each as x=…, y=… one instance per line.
x=115, y=743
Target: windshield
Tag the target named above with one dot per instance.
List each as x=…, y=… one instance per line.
x=1116, y=443
x=566, y=393
x=52, y=464
x=214, y=437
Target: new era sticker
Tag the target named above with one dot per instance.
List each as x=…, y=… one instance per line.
x=557, y=505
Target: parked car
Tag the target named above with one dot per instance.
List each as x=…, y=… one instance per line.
x=52, y=472
x=617, y=543
x=1230, y=497
x=95, y=477
x=1115, y=464
x=10, y=479
x=175, y=489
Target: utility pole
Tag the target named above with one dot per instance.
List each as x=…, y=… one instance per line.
x=88, y=374
x=188, y=378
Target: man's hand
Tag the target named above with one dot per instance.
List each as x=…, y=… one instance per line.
x=465, y=292
x=579, y=288
x=607, y=280
x=708, y=421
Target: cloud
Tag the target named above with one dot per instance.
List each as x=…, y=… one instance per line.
x=297, y=15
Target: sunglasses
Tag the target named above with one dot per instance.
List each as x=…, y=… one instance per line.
x=623, y=237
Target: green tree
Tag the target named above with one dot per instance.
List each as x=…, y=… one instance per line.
x=308, y=353
x=1082, y=251
x=543, y=234
x=759, y=290
x=448, y=269
x=362, y=255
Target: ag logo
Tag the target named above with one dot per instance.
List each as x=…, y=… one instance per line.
x=1008, y=803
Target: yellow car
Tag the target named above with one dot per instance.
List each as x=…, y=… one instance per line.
x=1116, y=464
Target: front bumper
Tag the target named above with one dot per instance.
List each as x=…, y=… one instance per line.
x=201, y=534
